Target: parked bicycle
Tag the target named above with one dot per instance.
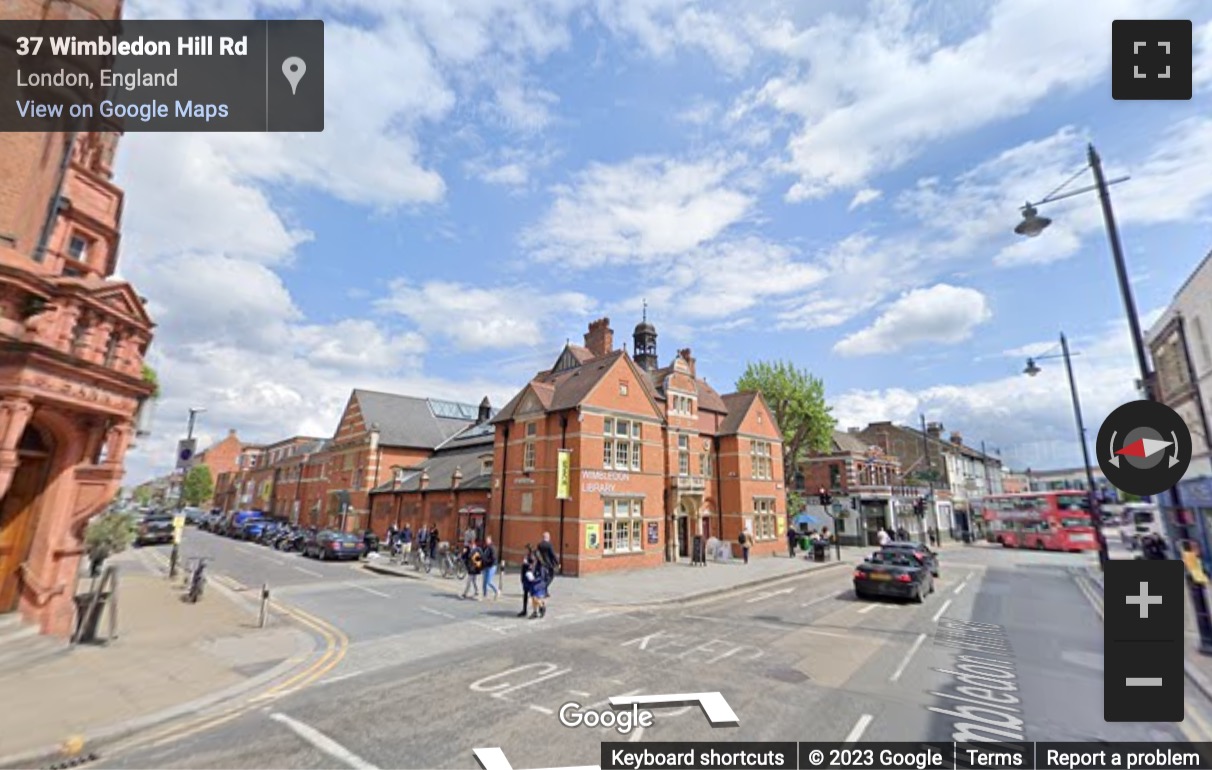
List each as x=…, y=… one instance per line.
x=420, y=560
x=197, y=581
x=452, y=565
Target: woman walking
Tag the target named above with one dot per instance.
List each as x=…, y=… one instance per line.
x=540, y=578
x=527, y=574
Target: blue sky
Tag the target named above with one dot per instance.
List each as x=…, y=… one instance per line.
x=831, y=183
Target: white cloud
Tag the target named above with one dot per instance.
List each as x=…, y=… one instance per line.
x=1029, y=419
x=642, y=210
x=661, y=27
x=941, y=314
x=863, y=197
x=1202, y=56
x=870, y=93
x=478, y=318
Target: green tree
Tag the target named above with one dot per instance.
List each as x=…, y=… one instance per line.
x=143, y=495
x=107, y=535
x=198, y=485
x=150, y=377
x=798, y=402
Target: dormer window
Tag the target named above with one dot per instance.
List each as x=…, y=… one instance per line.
x=77, y=248
x=486, y=466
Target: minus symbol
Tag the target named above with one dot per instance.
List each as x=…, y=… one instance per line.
x=1143, y=681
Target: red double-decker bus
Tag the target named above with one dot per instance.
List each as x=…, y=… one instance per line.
x=1044, y=521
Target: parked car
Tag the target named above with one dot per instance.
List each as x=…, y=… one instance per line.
x=193, y=516
x=334, y=545
x=211, y=521
x=235, y=523
x=154, y=529
x=894, y=573
x=920, y=550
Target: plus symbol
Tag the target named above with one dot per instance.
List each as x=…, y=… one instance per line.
x=1144, y=600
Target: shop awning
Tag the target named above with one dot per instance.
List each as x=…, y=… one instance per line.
x=806, y=518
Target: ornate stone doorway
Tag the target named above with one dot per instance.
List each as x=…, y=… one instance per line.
x=19, y=512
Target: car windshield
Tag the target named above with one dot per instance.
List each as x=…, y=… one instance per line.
x=892, y=558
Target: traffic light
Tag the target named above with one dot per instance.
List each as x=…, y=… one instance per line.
x=824, y=497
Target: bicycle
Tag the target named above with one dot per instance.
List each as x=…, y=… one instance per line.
x=197, y=582
x=420, y=560
x=453, y=565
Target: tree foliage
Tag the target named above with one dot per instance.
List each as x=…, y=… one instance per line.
x=143, y=495
x=109, y=534
x=150, y=377
x=198, y=485
x=798, y=401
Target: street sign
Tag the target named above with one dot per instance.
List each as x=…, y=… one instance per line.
x=186, y=448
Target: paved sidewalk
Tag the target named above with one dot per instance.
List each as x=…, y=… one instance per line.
x=168, y=654
x=667, y=584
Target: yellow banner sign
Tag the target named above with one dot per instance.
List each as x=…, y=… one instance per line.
x=591, y=537
x=564, y=475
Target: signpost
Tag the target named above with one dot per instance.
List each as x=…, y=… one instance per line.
x=837, y=512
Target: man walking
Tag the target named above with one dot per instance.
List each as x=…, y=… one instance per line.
x=548, y=556
x=434, y=539
x=792, y=536
x=744, y=540
x=490, y=570
x=527, y=567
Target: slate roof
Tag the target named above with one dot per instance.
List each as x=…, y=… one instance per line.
x=558, y=391
x=411, y=421
x=847, y=442
x=441, y=468
x=737, y=406
x=708, y=397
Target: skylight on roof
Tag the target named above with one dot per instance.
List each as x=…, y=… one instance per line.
x=453, y=409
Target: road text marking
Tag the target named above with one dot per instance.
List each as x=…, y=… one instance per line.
x=859, y=728
x=908, y=656
x=324, y=743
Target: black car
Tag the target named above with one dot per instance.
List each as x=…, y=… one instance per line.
x=154, y=529
x=893, y=573
x=920, y=550
x=334, y=545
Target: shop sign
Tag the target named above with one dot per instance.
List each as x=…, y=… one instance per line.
x=602, y=481
x=591, y=537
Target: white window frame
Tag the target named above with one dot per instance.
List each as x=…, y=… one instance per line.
x=528, y=456
x=761, y=457
x=622, y=516
x=764, y=513
x=87, y=245
x=621, y=445
x=683, y=454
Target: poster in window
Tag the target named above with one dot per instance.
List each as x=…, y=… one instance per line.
x=592, y=537
x=653, y=533
x=782, y=525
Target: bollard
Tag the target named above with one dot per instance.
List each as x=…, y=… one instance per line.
x=172, y=562
x=264, y=605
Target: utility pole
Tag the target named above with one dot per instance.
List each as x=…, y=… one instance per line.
x=930, y=478
x=175, y=556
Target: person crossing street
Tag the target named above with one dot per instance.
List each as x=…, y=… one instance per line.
x=490, y=570
x=473, y=559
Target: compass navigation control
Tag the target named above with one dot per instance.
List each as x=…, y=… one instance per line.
x=1144, y=448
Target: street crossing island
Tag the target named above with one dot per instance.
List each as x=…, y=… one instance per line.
x=109, y=79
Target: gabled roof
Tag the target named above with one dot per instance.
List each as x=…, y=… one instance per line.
x=441, y=468
x=848, y=442
x=411, y=421
x=708, y=397
x=737, y=405
x=118, y=295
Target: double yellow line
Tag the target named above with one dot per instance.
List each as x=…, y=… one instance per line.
x=336, y=645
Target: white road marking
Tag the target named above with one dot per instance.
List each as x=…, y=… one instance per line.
x=579, y=693
x=960, y=588
x=313, y=573
x=432, y=611
x=541, y=709
x=324, y=743
x=492, y=627
x=369, y=590
x=767, y=595
x=940, y=612
x=820, y=599
x=869, y=608
x=859, y=728
x=917, y=643
x=343, y=677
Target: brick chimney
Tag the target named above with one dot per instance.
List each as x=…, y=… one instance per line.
x=957, y=438
x=600, y=338
x=684, y=354
x=934, y=429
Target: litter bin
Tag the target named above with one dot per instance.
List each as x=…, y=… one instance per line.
x=819, y=550
x=86, y=623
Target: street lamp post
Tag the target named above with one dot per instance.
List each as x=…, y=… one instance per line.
x=189, y=435
x=1092, y=501
x=1031, y=226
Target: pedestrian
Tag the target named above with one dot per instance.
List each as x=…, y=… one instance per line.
x=540, y=578
x=490, y=570
x=883, y=538
x=547, y=555
x=902, y=535
x=392, y=534
x=434, y=539
x=406, y=540
x=743, y=540
x=527, y=566
x=473, y=560
x=792, y=536
x=423, y=539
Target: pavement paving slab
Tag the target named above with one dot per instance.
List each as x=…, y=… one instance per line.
x=167, y=653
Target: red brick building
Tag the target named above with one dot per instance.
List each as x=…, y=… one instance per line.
x=72, y=343
x=655, y=457
x=220, y=458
